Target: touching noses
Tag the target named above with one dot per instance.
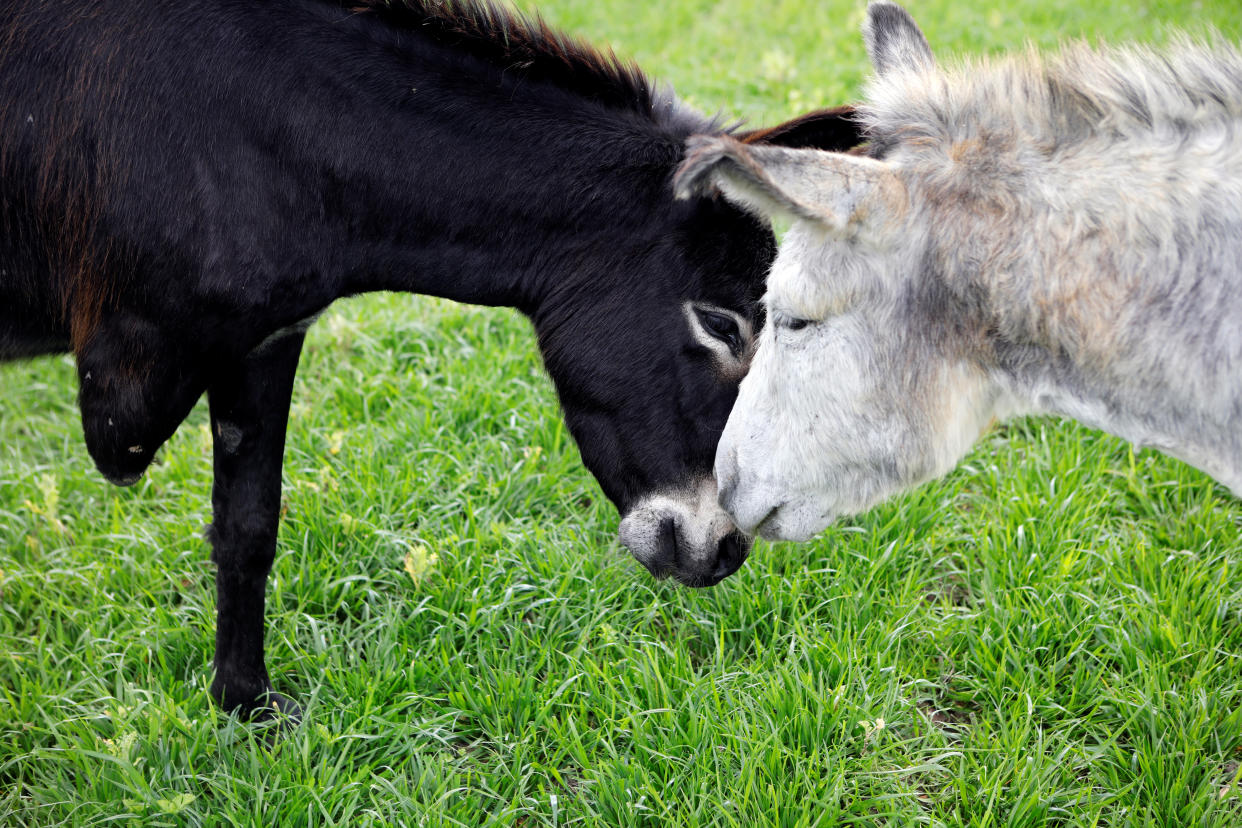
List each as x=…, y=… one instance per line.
x=745, y=505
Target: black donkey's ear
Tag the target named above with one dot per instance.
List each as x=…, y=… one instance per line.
x=825, y=129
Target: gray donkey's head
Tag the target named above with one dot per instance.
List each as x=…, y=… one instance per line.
x=998, y=249
x=846, y=400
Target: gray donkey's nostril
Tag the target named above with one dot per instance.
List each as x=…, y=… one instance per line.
x=726, y=482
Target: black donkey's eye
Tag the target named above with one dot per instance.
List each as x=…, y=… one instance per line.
x=721, y=326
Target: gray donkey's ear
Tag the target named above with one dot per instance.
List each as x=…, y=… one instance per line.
x=894, y=40
x=841, y=193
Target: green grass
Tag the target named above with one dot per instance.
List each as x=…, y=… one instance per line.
x=1053, y=635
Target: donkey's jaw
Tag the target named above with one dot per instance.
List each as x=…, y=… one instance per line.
x=799, y=519
x=789, y=522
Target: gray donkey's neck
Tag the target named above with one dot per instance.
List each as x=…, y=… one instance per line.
x=1130, y=319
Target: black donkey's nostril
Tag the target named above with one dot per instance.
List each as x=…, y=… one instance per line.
x=730, y=556
x=668, y=543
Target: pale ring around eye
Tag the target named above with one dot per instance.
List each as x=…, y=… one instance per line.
x=717, y=325
x=720, y=326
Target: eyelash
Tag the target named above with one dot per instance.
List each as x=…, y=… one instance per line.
x=791, y=323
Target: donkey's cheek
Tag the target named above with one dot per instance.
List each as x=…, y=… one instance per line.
x=741, y=467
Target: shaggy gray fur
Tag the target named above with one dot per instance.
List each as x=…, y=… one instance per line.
x=1057, y=235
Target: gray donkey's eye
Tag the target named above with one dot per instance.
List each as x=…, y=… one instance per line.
x=791, y=323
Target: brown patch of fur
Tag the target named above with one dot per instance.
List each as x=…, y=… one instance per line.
x=961, y=152
x=70, y=186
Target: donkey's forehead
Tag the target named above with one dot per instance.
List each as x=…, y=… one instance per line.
x=796, y=284
x=816, y=275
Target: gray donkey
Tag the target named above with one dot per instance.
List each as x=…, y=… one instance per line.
x=1021, y=235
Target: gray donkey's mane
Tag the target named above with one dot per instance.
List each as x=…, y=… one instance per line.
x=1055, y=102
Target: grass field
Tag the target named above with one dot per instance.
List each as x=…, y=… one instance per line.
x=1053, y=635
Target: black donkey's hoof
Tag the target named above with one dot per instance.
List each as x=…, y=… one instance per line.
x=274, y=707
x=265, y=707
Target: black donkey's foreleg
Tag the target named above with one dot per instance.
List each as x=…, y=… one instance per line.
x=249, y=403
